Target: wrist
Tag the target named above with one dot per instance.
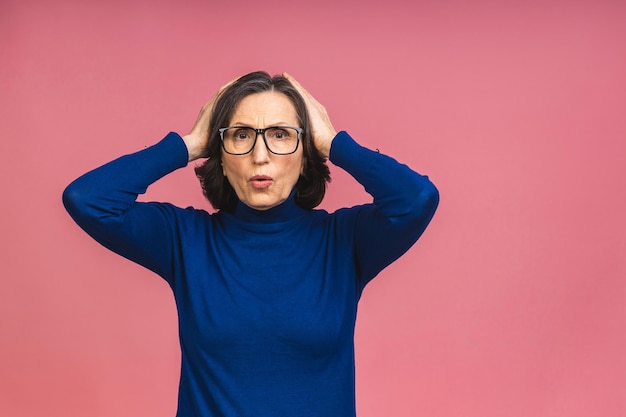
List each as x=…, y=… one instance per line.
x=194, y=149
x=324, y=145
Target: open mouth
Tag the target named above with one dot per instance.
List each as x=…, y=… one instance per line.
x=261, y=181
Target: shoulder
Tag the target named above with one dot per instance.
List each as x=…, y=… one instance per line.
x=179, y=215
x=345, y=218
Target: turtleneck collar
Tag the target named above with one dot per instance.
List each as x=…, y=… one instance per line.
x=284, y=212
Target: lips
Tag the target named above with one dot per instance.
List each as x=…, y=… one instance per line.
x=260, y=181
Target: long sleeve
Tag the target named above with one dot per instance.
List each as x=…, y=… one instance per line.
x=404, y=203
x=103, y=203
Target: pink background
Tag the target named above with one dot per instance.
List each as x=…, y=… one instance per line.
x=512, y=304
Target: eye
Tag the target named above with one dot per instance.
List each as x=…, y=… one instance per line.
x=278, y=133
x=241, y=134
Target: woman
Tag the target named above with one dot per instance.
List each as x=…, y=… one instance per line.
x=267, y=287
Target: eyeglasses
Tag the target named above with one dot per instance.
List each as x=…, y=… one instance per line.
x=279, y=140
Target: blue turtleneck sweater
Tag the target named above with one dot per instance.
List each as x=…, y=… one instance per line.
x=266, y=300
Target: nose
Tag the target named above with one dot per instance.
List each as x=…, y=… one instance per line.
x=260, y=153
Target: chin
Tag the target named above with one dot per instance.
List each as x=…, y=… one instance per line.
x=262, y=205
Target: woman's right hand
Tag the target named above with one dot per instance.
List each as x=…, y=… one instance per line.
x=197, y=140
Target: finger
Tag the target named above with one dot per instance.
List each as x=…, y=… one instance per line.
x=228, y=84
x=218, y=93
x=207, y=108
x=297, y=85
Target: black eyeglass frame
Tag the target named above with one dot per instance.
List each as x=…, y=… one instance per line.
x=262, y=133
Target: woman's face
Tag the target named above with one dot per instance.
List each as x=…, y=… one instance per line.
x=261, y=179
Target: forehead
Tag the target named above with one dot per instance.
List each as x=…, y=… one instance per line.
x=266, y=108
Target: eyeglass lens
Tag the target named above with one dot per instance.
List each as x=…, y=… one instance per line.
x=279, y=140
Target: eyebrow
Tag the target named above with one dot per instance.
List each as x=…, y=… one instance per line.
x=280, y=123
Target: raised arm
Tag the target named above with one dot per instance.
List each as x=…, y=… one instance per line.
x=404, y=201
x=103, y=201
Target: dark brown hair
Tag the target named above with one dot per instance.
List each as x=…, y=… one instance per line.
x=311, y=185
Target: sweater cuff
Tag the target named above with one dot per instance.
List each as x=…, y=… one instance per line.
x=172, y=144
x=346, y=153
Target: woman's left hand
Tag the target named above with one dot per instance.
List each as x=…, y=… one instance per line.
x=322, y=129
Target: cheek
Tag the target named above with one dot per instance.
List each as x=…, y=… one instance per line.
x=229, y=166
x=301, y=165
x=297, y=168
